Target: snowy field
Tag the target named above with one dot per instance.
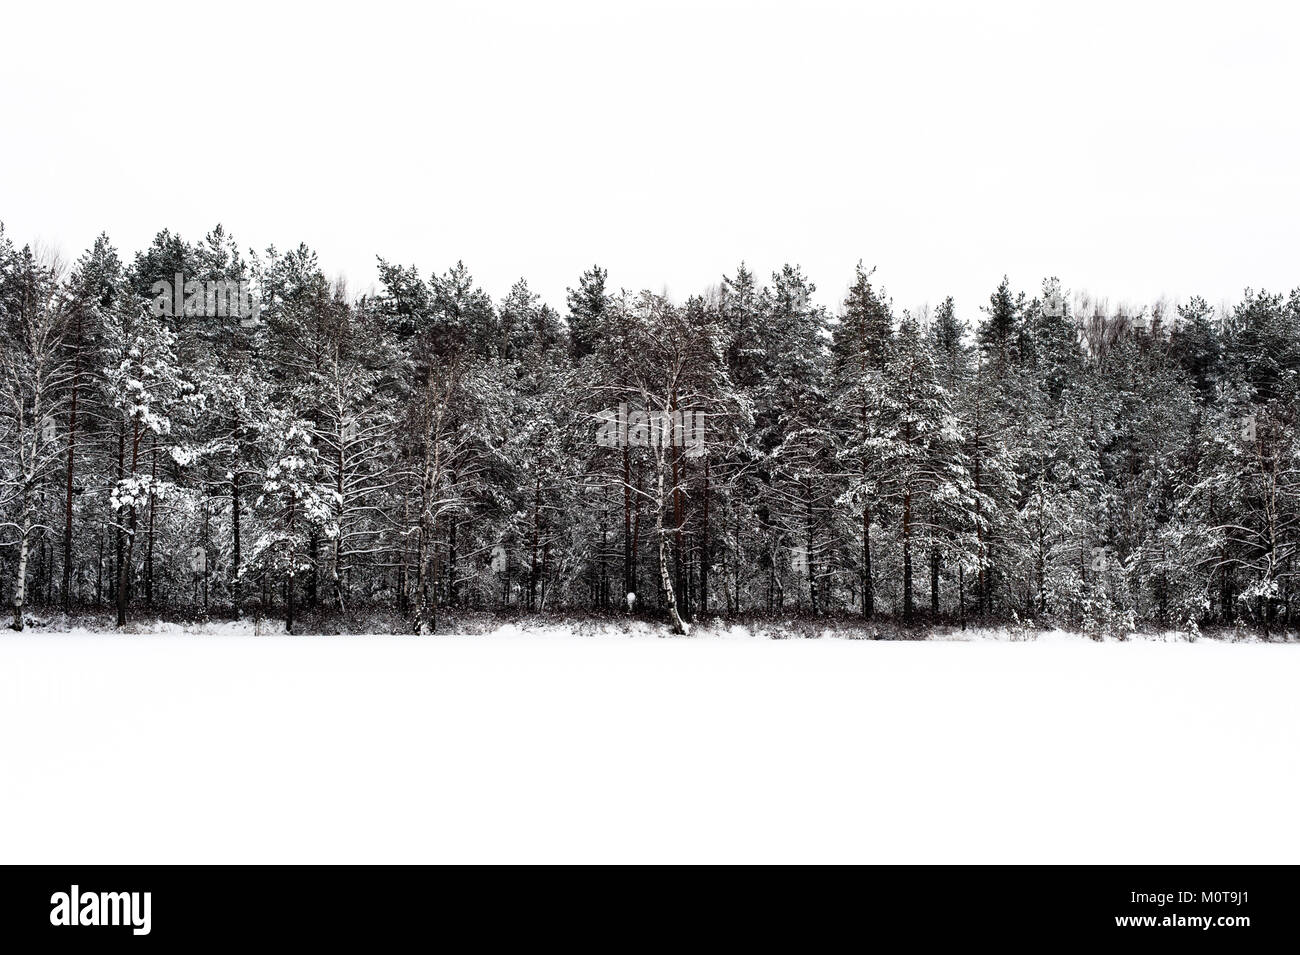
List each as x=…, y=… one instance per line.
x=557, y=746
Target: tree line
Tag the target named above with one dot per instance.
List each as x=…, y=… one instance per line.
x=426, y=447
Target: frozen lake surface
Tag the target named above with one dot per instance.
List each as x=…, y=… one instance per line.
x=554, y=746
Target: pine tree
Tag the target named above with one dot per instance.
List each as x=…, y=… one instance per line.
x=588, y=307
x=862, y=345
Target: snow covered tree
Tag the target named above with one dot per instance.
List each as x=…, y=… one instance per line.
x=426, y=448
x=142, y=383
x=862, y=345
x=33, y=376
x=296, y=503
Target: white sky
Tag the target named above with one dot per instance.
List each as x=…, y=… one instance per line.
x=1133, y=150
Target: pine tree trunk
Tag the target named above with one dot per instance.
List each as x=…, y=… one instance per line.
x=704, y=545
x=126, y=562
x=537, y=533
x=72, y=457
x=961, y=594
x=636, y=532
x=121, y=533
x=451, y=563
x=934, y=563
x=934, y=580
x=602, y=595
x=868, y=586
x=546, y=572
x=313, y=561
x=979, y=537
x=433, y=577
x=336, y=561
x=124, y=569
x=403, y=604
x=237, y=568
x=24, y=543
x=812, y=563
x=293, y=560
x=99, y=572
x=148, y=550
x=907, y=558
x=627, y=526
x=207, y=541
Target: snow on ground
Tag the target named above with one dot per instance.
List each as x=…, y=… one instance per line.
x=545, y=744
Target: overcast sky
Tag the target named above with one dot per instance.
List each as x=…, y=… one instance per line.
x=1134, y=150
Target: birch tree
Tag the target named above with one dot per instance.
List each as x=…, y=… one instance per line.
x=33, y=376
